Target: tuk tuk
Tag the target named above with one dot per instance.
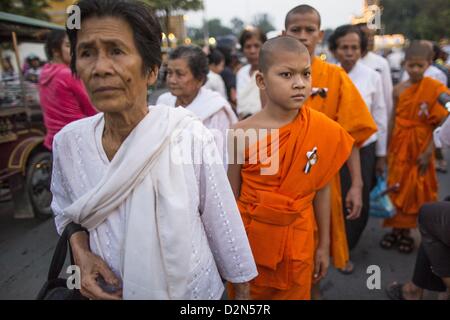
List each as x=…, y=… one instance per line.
x=25, y=164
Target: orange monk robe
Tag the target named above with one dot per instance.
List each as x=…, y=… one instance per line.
x=344, y=105
x=277, y=209
x=416, y=115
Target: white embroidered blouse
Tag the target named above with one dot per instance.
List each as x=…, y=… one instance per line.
x=80, y=162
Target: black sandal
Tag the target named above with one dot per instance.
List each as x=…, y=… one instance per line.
x=389, y=240
x=406, y=244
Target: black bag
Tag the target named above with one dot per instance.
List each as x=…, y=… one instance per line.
x=55, y=288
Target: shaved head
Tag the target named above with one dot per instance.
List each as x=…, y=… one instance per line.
x=272, y=47
x=419, y=49
x=302, y=9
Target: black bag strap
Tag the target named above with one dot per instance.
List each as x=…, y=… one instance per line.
x=60, y=253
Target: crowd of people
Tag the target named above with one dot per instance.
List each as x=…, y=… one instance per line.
x=280, y=157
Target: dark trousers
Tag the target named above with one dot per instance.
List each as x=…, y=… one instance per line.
x=433, y=258
x=355, y=228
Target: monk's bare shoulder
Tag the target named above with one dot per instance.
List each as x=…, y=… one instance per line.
x=252, y=122
x=399, y=88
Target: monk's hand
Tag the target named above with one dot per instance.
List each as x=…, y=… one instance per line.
x=241, y=291
x=321, y=263
x=92, y=267
x=353, y=202
x=423, y=161
x=380, y=166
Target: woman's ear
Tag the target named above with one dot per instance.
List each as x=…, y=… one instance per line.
x=152, y=76
x=260, y=81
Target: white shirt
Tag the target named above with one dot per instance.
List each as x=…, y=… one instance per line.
x=248, y=95
x=442, y=135
x=369, y=85
x=216, y=83
x=432, y=72
x=381, y=65
x=80, y=162
x=217, y=121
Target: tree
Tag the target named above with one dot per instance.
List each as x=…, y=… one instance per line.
x=168, y=6
x=417, y=19
x=196, y=34
x=28, y=8
x=264, y=22
x=237, y=25
x=216, y=29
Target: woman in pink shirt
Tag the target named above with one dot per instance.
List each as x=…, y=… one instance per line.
x=63, y=97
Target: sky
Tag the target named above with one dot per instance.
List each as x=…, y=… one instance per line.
x=334, y=12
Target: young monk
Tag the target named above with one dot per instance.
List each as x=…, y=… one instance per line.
x=410, y=157
x=335, y=95
x=279, y=208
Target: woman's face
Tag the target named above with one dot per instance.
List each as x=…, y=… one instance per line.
x=110, y=65
x=65, y=51
x=251, y=50
x=180, y=79
x=348, y=50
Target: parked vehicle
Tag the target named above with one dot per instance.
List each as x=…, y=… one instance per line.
x=25, y=164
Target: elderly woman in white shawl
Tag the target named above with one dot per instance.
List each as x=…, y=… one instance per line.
x=157, y=228
x=187, y=73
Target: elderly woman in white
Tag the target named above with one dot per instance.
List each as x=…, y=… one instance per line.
x=158, y=228
x=187, y=73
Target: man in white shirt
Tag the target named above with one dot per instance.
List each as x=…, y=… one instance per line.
x=380, y=65
x=347, y=43
x=216, y=61
x=248, y=94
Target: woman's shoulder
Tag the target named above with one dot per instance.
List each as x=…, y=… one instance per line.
x=77, y=127
x=166, y=99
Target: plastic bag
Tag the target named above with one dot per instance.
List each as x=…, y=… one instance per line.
x=380, y=203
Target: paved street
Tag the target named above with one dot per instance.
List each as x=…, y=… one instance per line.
x=26, y=248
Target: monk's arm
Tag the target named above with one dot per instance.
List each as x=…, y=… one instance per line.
x=322, y=212
x=391, y=120
x=234, y=163
x=423, y=161
x=353, y=200
x=234, y=176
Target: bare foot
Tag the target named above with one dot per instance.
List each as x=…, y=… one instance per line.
x=348, y=269
x=412, y=292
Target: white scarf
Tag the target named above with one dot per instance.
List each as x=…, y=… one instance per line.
x=205, y=104
x=142, y=177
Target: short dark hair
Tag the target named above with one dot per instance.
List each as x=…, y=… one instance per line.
x=301, y=9
x=147, y=31
x=54, y=42
x=272, y=47
x=195, y=58
x=215, y=57
x=251, y=33
x=418, y=49
x=342, y=31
